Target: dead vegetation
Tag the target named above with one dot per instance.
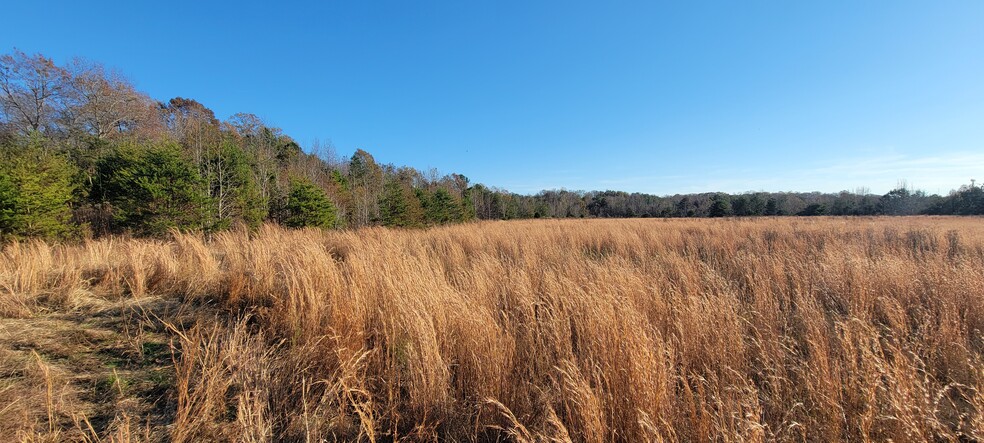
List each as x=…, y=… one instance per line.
x=821, y=329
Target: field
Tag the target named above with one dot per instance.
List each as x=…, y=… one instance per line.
x=786, y=329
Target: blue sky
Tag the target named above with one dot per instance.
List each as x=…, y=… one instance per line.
x=637, y=96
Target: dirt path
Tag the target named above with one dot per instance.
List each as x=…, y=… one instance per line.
x=88, y=374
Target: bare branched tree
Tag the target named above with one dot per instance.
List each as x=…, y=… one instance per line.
x=32, y=89
x=104, y=103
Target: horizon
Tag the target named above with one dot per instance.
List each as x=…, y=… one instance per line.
x=637, y=98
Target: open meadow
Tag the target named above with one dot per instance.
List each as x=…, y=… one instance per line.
x=759, y=329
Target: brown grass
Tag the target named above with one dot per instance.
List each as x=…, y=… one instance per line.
x=820, y=329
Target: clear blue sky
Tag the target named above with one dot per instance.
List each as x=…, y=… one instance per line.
x=638, y=96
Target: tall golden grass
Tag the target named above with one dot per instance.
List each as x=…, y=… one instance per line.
x=787, y=329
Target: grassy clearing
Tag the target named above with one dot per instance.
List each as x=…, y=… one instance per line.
x=820, y=329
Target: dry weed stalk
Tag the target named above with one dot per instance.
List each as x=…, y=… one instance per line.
x=820, y=329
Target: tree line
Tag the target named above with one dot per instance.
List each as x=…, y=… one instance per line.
x=84, y=153
x=967, y=200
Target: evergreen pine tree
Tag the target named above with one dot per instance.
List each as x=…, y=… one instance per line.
x=307, y=205
x=151, y=190
x=720, y=206
x=36, y=190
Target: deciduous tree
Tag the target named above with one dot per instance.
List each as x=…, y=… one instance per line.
x=32, y=88
x=104, y=104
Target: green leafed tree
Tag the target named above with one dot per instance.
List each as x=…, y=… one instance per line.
x=467, y=206
x=772, y=207
x=151, y=190
x=36, y=192
x=308, y=205
x=441, y=208
x=234, y=195
x=813, y=209
x=366, y=182
x=720, y=206
x=399, y=207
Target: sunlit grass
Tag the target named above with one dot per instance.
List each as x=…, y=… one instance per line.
x=819, y=329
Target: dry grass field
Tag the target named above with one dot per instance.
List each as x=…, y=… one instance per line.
x=783, y=329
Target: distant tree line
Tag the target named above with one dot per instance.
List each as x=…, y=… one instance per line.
x=84, y=153
x=495, y=204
